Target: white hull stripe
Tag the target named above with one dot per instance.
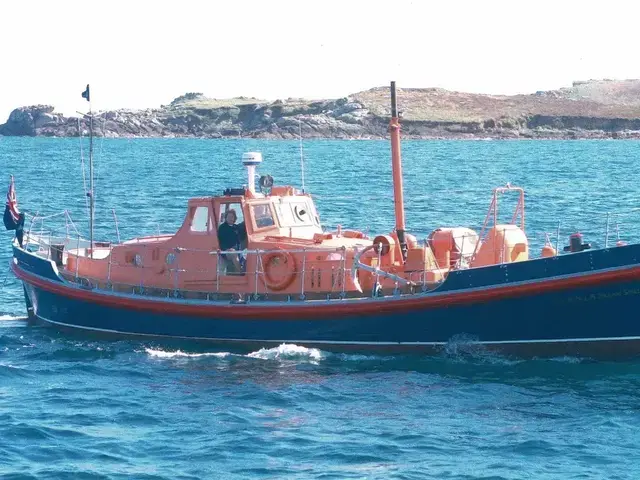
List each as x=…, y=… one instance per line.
x=347, y=342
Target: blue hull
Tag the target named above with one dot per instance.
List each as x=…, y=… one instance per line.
x=580, y=304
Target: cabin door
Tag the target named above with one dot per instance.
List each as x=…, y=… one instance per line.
x=198, y=264
x=232, y=241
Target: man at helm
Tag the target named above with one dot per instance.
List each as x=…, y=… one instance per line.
x=231, y=237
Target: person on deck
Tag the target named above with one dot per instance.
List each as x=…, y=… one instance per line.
x=231, y=238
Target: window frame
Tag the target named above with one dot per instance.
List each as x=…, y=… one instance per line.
x=274, y=217
x=209, y=224
x=222, y=210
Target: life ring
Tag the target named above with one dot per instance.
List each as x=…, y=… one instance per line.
x=274, y=258
x=383, y=244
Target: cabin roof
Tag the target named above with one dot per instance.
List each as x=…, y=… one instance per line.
x=286, y=192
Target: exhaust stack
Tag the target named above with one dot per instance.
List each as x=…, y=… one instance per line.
x=396, y=163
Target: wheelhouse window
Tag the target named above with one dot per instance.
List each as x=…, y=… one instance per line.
x=200, y=222
x=262, y=215
x=226, y=207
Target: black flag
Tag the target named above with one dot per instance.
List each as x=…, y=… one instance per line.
x=86, y=94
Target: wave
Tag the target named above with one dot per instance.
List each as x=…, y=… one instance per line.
x=11, y=317
x=359, y=357
x=285, y=351
x=289, y=351
x=282, y=352
x=179, y=353
x=460, y=350
x=568, y=359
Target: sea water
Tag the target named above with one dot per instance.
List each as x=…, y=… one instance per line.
x=73, y=407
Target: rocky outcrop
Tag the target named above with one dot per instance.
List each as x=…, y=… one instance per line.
x=31, y=120
x=591, y=109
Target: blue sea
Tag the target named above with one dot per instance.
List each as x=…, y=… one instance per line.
x=76, y=408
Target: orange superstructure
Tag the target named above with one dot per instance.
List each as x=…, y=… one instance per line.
x=285, y=250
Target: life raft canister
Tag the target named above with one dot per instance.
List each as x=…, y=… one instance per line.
x=279, y=260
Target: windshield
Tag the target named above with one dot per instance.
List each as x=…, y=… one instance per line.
x=262, y=215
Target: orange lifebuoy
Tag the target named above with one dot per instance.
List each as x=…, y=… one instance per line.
x=272, y=260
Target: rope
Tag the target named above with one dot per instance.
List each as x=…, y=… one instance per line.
x=71, y=221
x=41, y=217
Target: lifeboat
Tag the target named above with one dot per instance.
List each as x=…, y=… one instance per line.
x=253, y=266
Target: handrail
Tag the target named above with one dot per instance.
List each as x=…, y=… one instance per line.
x=46, y=217
x=99, y=284
x=331, y=289
x=142, y=271
x=357, y=264
x=351, y=257
x=274, y=250
x=614, y=221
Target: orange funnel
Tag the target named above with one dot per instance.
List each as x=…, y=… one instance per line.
x=396, y=162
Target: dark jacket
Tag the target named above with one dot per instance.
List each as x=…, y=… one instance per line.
x=231, y=236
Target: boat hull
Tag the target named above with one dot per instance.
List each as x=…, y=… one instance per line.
x=580, y=310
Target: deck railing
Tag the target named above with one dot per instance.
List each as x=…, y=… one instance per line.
x=341, y=270
x=310, y=276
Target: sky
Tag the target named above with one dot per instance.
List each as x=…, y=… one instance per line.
x=142, y=54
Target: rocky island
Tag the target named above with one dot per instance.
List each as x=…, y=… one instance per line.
x=589, y=109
